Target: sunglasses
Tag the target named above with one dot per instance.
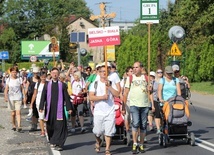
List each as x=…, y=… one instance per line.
x=176, y=71
x=159, y=72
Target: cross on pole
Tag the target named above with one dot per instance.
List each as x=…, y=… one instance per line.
x=103, y=16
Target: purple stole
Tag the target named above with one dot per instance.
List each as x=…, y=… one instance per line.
x=59, y=103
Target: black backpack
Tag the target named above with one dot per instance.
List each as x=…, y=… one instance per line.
x=185, y=92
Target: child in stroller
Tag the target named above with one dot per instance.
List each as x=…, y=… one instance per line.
x=175, y=120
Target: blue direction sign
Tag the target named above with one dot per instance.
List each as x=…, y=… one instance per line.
x=77, y=37
x=4, y=55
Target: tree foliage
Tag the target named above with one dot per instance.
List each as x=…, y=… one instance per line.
x=27, y=19
x=197, y=60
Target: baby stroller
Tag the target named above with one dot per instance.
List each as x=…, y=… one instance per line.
x=175, y=120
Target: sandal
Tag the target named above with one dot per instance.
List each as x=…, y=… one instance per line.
x=108, y=152
x=97, y=146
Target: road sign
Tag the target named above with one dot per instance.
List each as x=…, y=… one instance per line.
x=175, y=51
x=41, y=49
x=104, y=36
x=149, y=11
x=33, y=58
x=77, y=37
x=4, y=55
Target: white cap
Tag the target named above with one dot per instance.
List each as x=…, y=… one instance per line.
x=175, y=68
x=35, y=69
x=108, y=64
x=98, y=65
x=152, y=73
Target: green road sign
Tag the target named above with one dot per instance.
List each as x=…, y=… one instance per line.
x=149, y=11
x=40, y=49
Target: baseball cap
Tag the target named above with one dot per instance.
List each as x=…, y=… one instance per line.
x=152, y=73
x=175, y=68
x=168, y=69
x=108, y=64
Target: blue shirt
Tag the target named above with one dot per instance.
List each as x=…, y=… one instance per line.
x=169, y=88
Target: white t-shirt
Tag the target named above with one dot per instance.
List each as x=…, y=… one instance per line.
x=39, y=92
x=77, y=87
x=103, y=107
x=14, y=88
x=114, y=78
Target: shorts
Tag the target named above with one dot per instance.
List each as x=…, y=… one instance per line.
x=127, y=115
x=35, y=111
x=78, y=109
x=14, y=105
x=150, y=113
x=157, y=109
x=139, y=118
x=104, y=125
x=41, y=114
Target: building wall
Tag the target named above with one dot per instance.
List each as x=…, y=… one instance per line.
x=82, y=25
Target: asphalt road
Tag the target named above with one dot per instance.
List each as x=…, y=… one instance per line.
x=203, y=125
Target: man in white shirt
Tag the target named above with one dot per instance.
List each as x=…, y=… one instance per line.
x=102, y=92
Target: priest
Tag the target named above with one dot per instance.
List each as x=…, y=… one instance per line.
x=54, y=97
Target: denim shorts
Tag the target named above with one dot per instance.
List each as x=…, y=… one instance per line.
x=139, y=118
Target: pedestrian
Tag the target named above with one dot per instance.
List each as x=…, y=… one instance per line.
x=168, y=85
x=36, y=100
x=53, y=97
x=77, y=97
x=102, y=92
x=29, y=90
x=13, y=95
x=159, y=75
x=127, y=118
x=137, y=89
x=183, y=80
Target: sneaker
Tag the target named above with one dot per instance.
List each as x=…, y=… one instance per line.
x=158, y=132
x=58, y=148
x=29, y=119
x=72, y=130
x=42, y=134
x=141, y=149
x=82, y=130
x=151, y=128
x=19, y=130
x=52, y=145
x=30, y=113
x=145, y=140
x=25, y=106
x=134, y=149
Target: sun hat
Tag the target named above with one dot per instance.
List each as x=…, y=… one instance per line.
x=35, y=69
x=168, y=69
x=175, y=68
x=152, y=73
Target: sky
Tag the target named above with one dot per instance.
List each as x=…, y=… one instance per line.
x=126, y=10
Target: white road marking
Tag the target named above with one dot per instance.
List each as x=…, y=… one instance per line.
x=204, y=144
x=205, y=147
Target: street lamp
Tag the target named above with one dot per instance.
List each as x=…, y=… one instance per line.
x=177, y=34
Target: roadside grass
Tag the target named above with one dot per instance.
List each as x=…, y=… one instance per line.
x=203, y=87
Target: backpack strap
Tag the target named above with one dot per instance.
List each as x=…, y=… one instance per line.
x=95, y=87
x=130, y=80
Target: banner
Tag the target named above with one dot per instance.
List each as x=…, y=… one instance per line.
x=40, y=49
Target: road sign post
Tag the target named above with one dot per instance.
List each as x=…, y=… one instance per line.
x=149, y=14
x=77, y=37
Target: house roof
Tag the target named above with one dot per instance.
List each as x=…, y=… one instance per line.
x=73, y=18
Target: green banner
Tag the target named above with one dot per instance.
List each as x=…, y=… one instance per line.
x=41, y=49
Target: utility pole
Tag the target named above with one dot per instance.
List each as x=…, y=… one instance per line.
x=103, y=17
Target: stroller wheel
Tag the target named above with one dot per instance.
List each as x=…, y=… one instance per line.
x=160, y=139
x=192, y=139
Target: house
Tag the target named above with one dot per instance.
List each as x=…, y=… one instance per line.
x=81, y=24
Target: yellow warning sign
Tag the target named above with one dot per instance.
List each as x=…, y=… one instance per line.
x=175, y=50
